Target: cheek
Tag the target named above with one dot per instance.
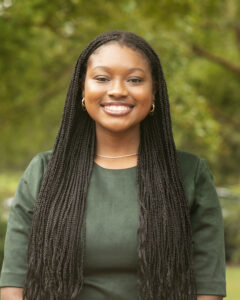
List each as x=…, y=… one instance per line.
x=144, y=96
x=92, y=91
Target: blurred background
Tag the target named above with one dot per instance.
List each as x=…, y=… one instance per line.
x=198, y=43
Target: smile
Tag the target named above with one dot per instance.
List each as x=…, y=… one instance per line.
x=114, y=109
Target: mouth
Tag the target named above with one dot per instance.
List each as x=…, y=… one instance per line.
x=117, y=108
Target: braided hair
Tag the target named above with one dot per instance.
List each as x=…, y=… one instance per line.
x=57, y=241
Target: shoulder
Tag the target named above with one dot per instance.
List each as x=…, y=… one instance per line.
x=37, y=167
x=188, y=160
x=39, y=162
x=29, y=184
x=43, y=157
x=190, y=165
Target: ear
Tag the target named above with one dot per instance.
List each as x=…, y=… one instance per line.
x=154, y=90
x=153, y=97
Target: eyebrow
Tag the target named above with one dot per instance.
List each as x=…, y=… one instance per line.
x=107, y=68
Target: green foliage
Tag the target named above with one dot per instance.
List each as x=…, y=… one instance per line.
x=41, y=40
x=198, y=43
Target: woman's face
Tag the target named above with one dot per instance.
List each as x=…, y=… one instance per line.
x=118, y=88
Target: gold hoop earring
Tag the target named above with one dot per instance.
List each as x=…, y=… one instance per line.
x=152, y=109
x=83, y=104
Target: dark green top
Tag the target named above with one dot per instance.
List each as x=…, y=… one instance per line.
x=112, y=223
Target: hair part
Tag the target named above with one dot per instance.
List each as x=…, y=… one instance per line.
x=58, y=235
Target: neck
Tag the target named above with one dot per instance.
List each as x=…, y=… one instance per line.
x=117, y=144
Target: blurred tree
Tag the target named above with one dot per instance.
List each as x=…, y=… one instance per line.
x=41, y=40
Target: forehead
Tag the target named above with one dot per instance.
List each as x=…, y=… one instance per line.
x=113, y=53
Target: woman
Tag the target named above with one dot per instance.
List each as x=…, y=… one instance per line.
x=120, y=213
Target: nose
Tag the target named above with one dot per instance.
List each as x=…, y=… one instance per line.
x=117, y=89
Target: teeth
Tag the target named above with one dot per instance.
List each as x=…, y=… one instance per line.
x=116, y=108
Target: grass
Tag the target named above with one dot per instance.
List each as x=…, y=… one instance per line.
x=233, y=283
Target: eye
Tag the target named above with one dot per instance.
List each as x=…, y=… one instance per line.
x=101, y=78
x=135, y=80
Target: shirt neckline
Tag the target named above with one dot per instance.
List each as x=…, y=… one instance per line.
x=114, y=170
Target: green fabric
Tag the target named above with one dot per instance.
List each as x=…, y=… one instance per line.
x=112, y=223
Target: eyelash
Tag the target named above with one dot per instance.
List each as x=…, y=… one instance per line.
x=101, y=79
x=136, y=80
x=133, y=80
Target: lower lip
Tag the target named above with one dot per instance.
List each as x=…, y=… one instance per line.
x=112, y=112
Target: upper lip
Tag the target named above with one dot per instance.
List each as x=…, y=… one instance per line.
x=118, y=103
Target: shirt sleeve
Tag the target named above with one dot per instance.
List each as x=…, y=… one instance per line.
x=19, y=222
x=208, y=235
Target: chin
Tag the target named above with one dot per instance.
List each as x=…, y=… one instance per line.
x=117, y=128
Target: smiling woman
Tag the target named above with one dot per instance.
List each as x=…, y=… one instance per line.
x=115, y=211
x=121, y=85
x=118, y=95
